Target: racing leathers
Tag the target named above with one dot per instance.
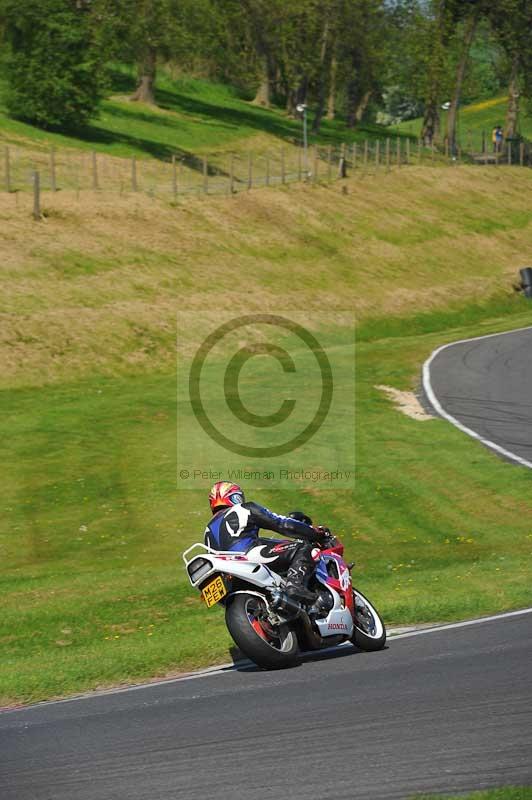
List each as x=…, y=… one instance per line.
x=237, y=528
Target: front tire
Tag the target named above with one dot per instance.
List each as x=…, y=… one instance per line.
x=369, y=632
x=268, y=646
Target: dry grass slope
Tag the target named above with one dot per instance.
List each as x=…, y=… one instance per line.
x=95, y=286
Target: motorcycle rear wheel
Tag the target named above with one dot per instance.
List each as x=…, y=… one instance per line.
x=267, y=646
x=369, y=632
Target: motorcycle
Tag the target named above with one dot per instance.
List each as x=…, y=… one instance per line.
x=272, y=628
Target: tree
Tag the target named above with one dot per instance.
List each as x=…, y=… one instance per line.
x=146, y=32
x=470, y=27
x=361, y=33
x=151, y=26
x=512, y=22
x=54, y=67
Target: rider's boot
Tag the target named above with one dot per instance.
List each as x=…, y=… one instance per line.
x=296, y=580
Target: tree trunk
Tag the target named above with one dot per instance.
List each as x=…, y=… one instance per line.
x=147, y=71
x=263, y=95
x=362, y=105
x=469, y=35
x=291, y=101
x=296, y=95
x=431, y=123
x=352, y=102
x=512, y=112
x=331, y=102
x=324, y=77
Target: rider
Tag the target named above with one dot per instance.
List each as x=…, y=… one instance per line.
x=235, y=526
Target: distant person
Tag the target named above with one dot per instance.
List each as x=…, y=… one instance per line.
x=494, y=138
x=498, y=139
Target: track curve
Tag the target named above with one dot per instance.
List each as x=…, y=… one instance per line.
x=447, y=711
x=484, y=387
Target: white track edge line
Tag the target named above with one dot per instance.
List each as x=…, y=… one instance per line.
x=464, y=624
x=439, y=408
x=247, y=665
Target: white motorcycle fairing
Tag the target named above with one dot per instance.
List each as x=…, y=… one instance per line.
x=200, y=567
x=338, y=621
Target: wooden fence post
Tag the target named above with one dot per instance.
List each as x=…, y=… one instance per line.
x=387, y=155
x=205, y=175
x=407, y=154
x=7, y=164
x=36, y=196
x=174, y=177
x=315, y=170
x=299, y=164
x=510, y=154
x=432, y=151
x=446, y=148
x=398, y=148
x=250, y=170
x=283, y=174
x=231, y=174
x=329, y=163
x=354, y=155
x=53, y=184
x=342, y=167
x=95, y=184
x=134, y=174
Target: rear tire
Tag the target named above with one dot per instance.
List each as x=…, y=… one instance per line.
x=271, y=647
x=369, y=632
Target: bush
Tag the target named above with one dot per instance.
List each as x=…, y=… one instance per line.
x=54, y=70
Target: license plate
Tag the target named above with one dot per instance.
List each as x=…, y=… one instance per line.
x=214, y=591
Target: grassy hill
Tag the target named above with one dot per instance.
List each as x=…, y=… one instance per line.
x=473, y=120
x=193, y=116
x=93, y=517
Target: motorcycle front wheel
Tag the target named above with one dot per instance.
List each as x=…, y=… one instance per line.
x=270, y=647
x=369, y=632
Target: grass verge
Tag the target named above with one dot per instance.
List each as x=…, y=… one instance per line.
x=504, y=793
x=93, y=588
x=95, y=287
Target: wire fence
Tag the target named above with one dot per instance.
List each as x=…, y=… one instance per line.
x=54, y=169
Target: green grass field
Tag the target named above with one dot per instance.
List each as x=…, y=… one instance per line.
x=505, y=793
x=193, y=117
x=93, y=588
x=473, y=120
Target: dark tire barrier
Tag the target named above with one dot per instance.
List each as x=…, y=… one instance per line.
x=526, y=281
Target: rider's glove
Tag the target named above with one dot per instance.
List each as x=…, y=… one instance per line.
x=323, y=533
x=327, y=539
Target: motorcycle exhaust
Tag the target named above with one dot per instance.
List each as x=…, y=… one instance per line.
x=281, y=602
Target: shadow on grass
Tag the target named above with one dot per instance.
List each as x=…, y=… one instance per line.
x=159, y=150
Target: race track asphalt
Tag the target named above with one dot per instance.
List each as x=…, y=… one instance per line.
x=486, y=385
x=447, y=711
